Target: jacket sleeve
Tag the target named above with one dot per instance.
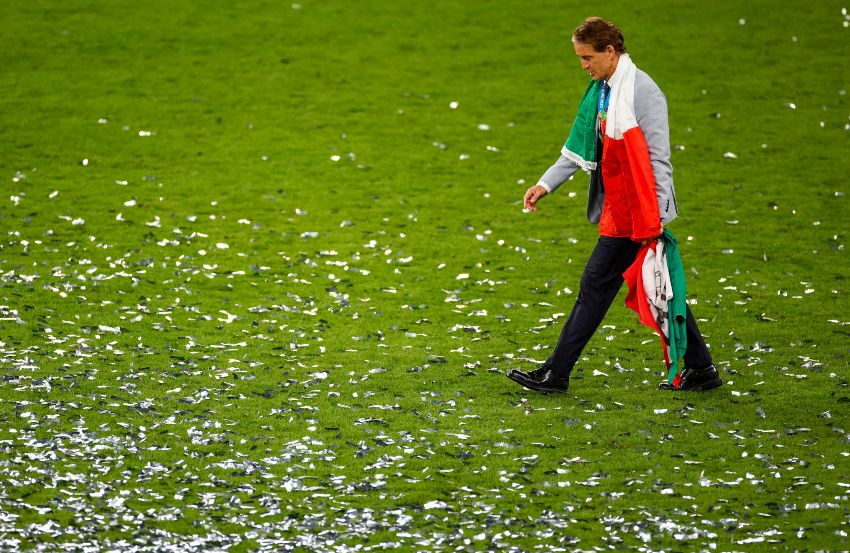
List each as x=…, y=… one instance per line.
x=558, y=174
x=651, y=115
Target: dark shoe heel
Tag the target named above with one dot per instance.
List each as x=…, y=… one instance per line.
x=696, y=380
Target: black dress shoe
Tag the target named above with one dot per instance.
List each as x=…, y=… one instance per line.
x=534, y=375
x=696, y=379
x=542, y=379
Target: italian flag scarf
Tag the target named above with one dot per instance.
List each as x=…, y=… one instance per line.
x=580, y=146
x=631, y=201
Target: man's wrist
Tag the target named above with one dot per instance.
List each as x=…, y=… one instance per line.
x=545, y=186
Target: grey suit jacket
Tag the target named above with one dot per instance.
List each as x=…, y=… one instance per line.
x=651, y=114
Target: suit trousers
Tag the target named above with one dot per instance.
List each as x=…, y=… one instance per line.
x=600, y=283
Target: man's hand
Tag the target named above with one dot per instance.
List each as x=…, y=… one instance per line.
x=648, y=241
x=533, y=194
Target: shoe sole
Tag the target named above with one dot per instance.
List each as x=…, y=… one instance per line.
x=518, y=379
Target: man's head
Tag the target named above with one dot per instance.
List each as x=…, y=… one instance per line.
x=599, y=44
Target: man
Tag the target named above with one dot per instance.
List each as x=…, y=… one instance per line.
x=622, y=137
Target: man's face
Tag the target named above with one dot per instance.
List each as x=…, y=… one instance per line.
x=600, y=65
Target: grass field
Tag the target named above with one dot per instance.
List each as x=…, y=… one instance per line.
x=264, y=266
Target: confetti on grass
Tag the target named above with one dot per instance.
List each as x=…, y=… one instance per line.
x=331, y=378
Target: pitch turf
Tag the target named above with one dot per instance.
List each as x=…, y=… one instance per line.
x=263, y=267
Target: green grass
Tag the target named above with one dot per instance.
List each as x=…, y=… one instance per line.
x=213, y=333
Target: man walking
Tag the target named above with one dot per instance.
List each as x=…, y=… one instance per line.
x=621, y=136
